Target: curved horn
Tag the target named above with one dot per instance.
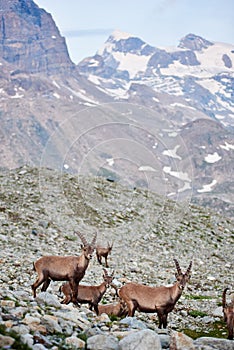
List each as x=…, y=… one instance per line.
x=189, y=268
x=113, y=272
x=105, y=272
x=178, y=267
x=224, y=303
x=82, y=238
x=94, y=240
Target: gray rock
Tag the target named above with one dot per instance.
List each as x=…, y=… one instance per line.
x=208, y=343
x=143, y=340
x=102, y=341
x=49, y=299
x=132, y=322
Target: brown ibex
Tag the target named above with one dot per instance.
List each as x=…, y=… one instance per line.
x=103, y=252
x=228, y=313
x=155, y=299
x=118, y=309
x=91, y=295
x=64, y=268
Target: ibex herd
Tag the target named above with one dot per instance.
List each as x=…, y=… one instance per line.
x=132, y=296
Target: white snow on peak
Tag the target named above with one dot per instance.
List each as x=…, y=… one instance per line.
x=109, y=45
x=131, y=62
x=213, y=158
x=172, y=152
x=118, y=35
x=208, y=187
x=227, y=146
x=211, y=62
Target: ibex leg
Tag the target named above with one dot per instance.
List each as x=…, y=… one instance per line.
x=46, y=284
x=38, y=282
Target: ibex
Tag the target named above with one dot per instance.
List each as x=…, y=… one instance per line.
x=228, y=313
x=91, y=295
x=155, y=299
x=103, y=252
x=64, y=268
x=118, y=309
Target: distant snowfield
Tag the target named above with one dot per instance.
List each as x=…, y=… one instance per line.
x=131, y=63
x=211, y=60
x=208, y=187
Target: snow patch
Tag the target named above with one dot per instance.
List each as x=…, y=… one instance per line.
x=56, y=95
x=178, y=174
x=146, y=168
x=172, y=152
x=213, y=158
x=110, y=161
x=131, y=62
x=227, y=146
x=208, y=187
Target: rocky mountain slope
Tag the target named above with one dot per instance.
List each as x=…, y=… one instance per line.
x=164, y=125
x=41, y=209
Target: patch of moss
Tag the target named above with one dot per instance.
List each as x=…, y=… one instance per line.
x=216, y=330
x=83, y=337
x=18, y=344
x=197, y=313
x=198, y=297
x=113, y=318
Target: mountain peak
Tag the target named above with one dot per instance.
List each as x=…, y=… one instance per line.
x=194, y=42
x=119, y=35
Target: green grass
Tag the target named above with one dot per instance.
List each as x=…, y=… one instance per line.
x=18, y=344
x=198, y=297
x=197, y=313
x=216, y=330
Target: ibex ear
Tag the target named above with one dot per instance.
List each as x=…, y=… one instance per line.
x=82, y=246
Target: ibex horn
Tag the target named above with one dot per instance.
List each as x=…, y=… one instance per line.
x=105, y=272
x=82, y=238
x=178, y=267
x=189, y=268
x=94, y=240
x=224, y=303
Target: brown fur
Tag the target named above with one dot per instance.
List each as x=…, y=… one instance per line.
x=228, y=314
x=161, y=300
x=102, y=252
x=114, y=309
x=91, y=295
x=64, y=268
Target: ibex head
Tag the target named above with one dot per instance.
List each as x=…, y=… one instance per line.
x=88, y=249
x=182, y=278
x=108, y=278
x=110, y=246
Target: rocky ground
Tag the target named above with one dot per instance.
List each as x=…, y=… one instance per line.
x=41, y=209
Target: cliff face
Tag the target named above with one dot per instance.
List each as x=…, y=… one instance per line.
x=38, y=46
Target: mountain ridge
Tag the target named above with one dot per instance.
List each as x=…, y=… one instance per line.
x=94, y=118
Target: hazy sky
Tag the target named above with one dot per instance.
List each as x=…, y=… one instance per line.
x=86, y=25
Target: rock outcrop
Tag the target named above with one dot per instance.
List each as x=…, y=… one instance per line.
x=30, y=40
